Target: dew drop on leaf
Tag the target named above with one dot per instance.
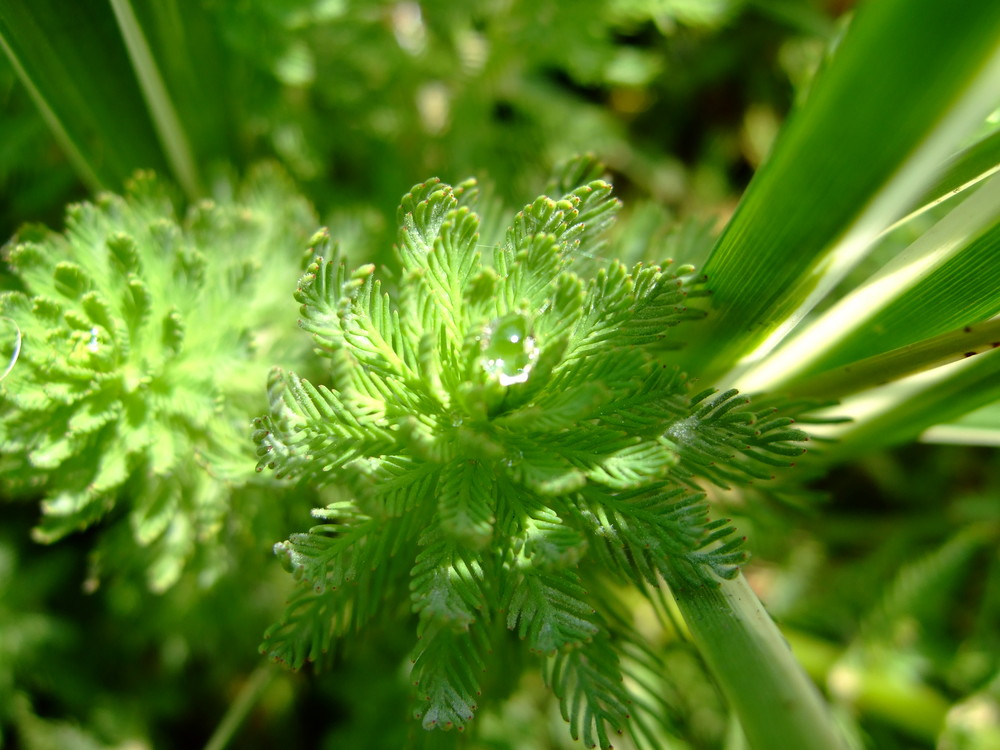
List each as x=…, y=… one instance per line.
x=509, y=349
x=512, y=460
x=10, y=345
x=94, y=345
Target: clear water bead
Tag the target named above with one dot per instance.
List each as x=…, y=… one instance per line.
x=509, y=349
x=10, y=345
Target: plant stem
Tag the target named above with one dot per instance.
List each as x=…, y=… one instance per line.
x=239, y=709
x=913, y=707
x=161, y=108
x=779, y=707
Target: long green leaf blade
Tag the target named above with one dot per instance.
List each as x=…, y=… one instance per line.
x=165, y=119
x=981, y=427
x=965, y=170
x=187, y=44
x=904, y=410
x=911, y=359
x=947, y=279
x=71, y=59
x=862, y=148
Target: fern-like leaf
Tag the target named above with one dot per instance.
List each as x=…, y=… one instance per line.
x=592, y=697
x=548, y=611
x=448, y=587
x=305, y=631
x=505, y=434
x=446, y=673
x=467, y=502
x=313, y=430
x=724, y=442
x=140, y=357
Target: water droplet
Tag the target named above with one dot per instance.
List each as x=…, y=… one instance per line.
x=509, y=349
x=683, y=432
x=94, y=345
x=513, y=459
x=10, y=344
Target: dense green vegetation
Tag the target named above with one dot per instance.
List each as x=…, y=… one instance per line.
x=651, y=339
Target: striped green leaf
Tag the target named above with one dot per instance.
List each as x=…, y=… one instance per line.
x=72, y=60
x=857, y=155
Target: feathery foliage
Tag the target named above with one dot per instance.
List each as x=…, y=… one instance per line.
x=507, y=431
x=526, y=556
x=139, y=362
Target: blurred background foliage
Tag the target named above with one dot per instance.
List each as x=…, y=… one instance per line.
x=681, y=98
x=886, y=581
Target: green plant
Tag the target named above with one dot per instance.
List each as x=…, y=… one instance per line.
x=138, y=364
x=861, y=254
x=512, y=438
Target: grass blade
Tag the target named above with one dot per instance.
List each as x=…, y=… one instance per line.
x=965, y=170
x=849, y=163
x=904, y=410
x=71, y=59
x=200, y=74
x=981, y=427
x=947, y=279
x=165, y=119
x=884, y=368
x=777, y=705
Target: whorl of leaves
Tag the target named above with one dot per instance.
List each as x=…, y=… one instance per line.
x=141, y=357
x=508, y=431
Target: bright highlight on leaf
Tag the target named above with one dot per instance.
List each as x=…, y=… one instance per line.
x=510, y=433
x=12, y=344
